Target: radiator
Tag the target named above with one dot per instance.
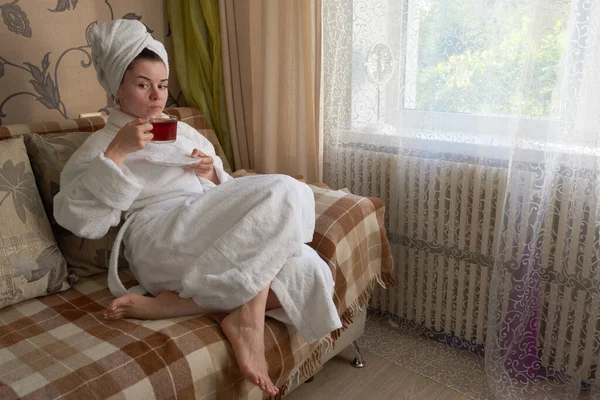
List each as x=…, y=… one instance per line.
x=443, y=220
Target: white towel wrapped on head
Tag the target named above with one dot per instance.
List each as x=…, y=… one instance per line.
x=114, y=46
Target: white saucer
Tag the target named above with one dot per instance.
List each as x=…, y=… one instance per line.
x=172, y=160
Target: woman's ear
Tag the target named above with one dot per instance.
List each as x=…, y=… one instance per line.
x=117, y=97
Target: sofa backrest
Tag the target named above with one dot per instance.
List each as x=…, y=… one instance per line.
x=191, y=116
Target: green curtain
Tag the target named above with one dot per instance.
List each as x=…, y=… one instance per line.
x=196, y=36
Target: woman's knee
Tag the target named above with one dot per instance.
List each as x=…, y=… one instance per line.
x=285, y=181
x=291, y=186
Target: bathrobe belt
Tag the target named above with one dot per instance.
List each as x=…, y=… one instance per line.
x=114, y=282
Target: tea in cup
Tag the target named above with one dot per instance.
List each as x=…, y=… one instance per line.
x=164, y=129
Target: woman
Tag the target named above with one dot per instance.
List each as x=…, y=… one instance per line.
x=196, y=239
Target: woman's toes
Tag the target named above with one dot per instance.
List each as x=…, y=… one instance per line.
x=113, y=315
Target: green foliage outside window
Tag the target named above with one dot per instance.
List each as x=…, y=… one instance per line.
x=463, y=52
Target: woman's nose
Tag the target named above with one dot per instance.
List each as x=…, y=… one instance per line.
x=154, y=94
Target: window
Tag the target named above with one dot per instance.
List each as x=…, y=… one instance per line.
x=460, y=65
x=468, y=58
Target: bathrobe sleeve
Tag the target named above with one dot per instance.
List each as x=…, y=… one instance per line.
x=94, y=192
x=205, y=146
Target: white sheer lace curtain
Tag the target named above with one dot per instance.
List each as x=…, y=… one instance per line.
x=491, y=178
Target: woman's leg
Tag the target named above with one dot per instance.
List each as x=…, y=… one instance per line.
x=304, y=287
x=244, y=327
x=245, y=330
x=165, y=305
x=272, y=301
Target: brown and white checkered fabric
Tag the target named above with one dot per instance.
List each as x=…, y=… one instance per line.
x=59, y=346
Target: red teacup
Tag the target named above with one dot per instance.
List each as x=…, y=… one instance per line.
x=164, y=129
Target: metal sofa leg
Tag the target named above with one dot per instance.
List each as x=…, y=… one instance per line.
x=359, y=361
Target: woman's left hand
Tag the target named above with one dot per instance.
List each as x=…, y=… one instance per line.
x=205, y=167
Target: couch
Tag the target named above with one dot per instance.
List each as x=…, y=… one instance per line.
x=54, y=342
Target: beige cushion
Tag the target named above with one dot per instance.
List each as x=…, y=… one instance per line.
x=48, y=154
x=31, y=264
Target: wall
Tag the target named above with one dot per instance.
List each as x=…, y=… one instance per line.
x=46, y=71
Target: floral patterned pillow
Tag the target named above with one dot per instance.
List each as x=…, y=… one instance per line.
x=31, y=264
x=48, y=154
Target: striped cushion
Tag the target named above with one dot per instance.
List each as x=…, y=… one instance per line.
x=68, y=125
x=190, y=116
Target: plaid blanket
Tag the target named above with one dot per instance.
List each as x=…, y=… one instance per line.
x=59, y=346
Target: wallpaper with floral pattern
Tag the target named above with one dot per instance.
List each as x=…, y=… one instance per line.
x=46, y=72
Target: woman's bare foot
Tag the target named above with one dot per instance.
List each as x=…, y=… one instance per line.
x=245, y=330
x=165, y=305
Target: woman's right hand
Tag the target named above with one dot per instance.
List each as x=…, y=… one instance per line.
x=131, y=138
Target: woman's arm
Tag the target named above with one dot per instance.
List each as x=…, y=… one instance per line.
x=95, y=185
x=210, y=167
x=93, y=195
x=205, y=167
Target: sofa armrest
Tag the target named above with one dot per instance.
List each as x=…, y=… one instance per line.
x=350, y=236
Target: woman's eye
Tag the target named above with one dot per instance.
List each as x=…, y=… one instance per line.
x=143, y=85
x=162, y=86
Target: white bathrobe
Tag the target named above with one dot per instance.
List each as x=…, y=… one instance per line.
x=219, y=245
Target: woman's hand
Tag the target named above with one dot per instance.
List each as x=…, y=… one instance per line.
x=131, y=138
x=205, y=167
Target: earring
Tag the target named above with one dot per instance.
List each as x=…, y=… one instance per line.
x=116, y=102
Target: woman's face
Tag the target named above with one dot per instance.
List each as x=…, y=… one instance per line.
x=143, y=92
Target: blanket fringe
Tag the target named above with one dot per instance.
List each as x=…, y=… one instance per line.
x=281, y=393
x=309, y=367
x=357, y=306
